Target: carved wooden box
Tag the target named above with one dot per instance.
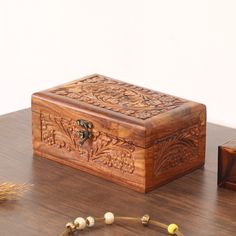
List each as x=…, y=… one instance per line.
x=124, y=133
x=227, y=165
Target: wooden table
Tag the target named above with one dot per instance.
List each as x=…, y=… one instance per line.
x=61, y=193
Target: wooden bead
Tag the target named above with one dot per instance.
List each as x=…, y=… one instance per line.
x=71, y=226
x=172, y=228
x=109, y=218
x=90, y=221
x=80, y=223
x=145, y=219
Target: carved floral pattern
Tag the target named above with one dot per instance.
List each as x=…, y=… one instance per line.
x=179, y=148
x=105, y=150
x=120, y=97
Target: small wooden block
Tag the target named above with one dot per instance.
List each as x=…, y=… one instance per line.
x=227, y=165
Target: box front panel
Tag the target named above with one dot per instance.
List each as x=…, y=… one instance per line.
x=57, y=136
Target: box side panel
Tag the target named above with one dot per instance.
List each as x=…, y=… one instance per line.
x=55, y=136
x=179, y=152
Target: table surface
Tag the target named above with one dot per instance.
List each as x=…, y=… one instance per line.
x=61, y=193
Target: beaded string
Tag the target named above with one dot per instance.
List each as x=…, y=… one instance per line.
x=80, y=223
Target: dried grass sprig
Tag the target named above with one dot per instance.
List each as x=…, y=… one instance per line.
x=12, y=191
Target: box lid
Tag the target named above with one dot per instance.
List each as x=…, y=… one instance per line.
x=142, y=115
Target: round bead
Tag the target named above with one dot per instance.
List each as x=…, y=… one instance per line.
x=80, y=223
x=109, y=218
x=71, y=226
x=90, y=221
x=172, y=228
x=145, y=219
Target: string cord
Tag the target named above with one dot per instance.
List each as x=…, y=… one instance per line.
x=68, y=231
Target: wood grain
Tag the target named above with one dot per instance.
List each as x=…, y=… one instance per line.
x=227, y=165
x=61, y=193
x=139, y=138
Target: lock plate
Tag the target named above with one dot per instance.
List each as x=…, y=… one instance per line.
x=86, y=132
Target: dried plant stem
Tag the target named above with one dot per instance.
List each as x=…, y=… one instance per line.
x=12, y=191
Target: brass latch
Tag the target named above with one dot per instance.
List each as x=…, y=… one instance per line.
x=86, y=133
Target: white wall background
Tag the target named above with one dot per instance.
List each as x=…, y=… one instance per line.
x=185, y=48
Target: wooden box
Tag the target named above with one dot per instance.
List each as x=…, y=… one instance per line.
x=227, y=165
x=127, y=134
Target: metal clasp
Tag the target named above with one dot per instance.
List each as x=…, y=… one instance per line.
x=86, y=133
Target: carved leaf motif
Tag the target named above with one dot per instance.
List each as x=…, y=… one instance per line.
x=120, y=97
x=105, y=150
x=113, y=153
x=177, y=149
